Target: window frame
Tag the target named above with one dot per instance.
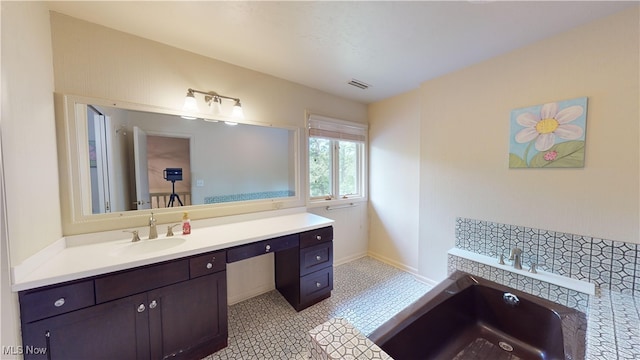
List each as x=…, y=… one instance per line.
x=336, y=130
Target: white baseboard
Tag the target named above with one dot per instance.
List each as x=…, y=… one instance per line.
x=347, y=259
x=411, y=270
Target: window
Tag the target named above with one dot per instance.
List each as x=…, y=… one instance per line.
x=337, y=158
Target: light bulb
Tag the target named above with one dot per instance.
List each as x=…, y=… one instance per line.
x=215, y=106
x=190, y=105
x=237, y=110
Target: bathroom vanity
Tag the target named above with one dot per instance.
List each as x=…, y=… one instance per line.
x=173, y=303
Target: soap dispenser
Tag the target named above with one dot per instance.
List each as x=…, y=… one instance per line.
x=186, y=224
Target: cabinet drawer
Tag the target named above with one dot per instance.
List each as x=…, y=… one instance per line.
x=135, y=281
x=312, y=237
x=316, y=285
x=40, y=304
x=262, y=247
x=316, y=257
x=207, y=264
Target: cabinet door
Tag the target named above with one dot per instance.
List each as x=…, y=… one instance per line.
x=114, y=330
x=189, y=320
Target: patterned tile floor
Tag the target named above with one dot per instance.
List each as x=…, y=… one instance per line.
x=366, y=293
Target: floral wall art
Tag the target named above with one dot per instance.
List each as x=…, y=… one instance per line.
x=549, y=135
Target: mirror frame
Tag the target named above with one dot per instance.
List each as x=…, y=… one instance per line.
x=74, y=177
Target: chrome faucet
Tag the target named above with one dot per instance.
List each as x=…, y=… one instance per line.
x=153, y=232
x=515, y=257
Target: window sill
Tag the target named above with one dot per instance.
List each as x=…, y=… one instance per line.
x=335, y=202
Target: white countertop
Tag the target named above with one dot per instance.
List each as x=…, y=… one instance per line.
x=66, y=263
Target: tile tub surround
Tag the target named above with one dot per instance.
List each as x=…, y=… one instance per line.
x=613, y=326
x=609, y=264
x=352, y=344
x=567, y=297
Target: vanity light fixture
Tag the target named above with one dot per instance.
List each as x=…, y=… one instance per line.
x=214, y=101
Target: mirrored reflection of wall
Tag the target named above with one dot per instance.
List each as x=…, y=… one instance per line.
x=221, y=163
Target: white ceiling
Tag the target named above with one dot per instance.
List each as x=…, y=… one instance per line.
x=391, y=45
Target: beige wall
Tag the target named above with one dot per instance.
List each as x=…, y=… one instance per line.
x=28, y=145
x=394, y=174
x=465, y=140
x=28, y=130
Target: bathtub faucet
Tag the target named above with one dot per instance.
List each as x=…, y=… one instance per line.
x=515, y=257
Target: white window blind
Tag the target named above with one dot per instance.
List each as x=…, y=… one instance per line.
x=328, y=128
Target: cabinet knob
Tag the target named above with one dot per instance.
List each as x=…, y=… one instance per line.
x=153, y=304
x=59, y=302
x=318, y=237
x=318, y=284
x=318, y=257
x=267, y=248
x=141, y=308
x=209, y=265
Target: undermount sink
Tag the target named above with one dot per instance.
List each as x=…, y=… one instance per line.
x=147, y=246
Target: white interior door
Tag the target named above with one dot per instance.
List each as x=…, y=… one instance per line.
x=143, y=199
x=102, y=163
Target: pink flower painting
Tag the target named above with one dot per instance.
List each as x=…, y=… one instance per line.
x=549, y=135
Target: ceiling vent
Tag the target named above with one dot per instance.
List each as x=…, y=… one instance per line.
x=359, y=84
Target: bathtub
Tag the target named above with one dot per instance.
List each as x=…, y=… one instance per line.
x=467, y=317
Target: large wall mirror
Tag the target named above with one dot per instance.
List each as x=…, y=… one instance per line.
x=122, y=160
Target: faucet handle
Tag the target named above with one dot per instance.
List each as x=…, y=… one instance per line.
x=135, y=237
x=533, y=269
x=170, y=229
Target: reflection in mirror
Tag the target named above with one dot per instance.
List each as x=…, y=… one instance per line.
x=144, y=160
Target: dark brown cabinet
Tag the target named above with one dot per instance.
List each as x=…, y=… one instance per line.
x=188, y=320
x=114, y=330
x=304, y=274
x=176, y=309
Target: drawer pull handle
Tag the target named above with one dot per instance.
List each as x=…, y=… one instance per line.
x=318, y=237
x=153, y=304
x=209, y=265
x=318, y=257
x=59, y=302
x=267, y=248
x=141, y=308
x=318, y=284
